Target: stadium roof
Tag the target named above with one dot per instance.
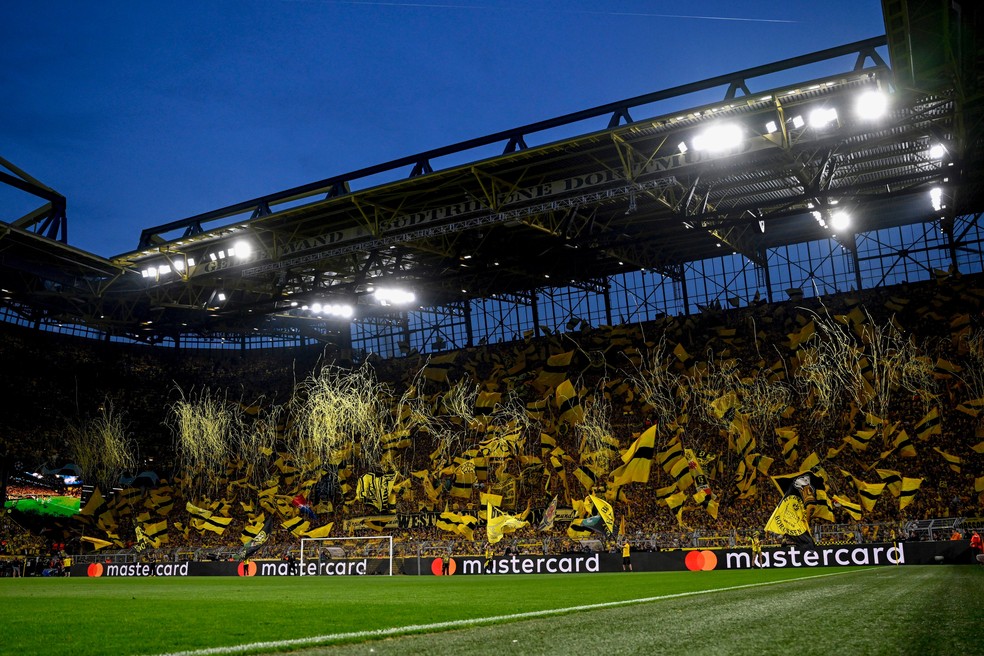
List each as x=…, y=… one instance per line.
x=498, y=216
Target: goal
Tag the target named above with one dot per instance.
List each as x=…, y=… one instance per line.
x=347, y=556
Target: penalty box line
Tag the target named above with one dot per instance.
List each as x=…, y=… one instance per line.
x=316, y=641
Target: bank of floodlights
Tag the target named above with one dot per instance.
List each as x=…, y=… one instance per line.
x=339, y=310
x=177, y=264
x=241, y=250
x=393, y=296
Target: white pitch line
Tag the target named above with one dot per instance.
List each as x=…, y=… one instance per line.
x=315, y=641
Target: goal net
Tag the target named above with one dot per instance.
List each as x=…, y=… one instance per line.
x=356, y=556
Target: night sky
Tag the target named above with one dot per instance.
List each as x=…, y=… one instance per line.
x=143, y=113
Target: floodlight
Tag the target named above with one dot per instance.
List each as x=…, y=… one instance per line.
x=191, y=261
x=822, y=117
x=840, y=221
x=871, y=105
x=221, y=297
x=682, y=147
x=334, y=309
x=163, y=269
x=316, y=308
x=391, y=296
x=243, y=249
x=937, y=151
x=179, y=265
x=936, y=197
x=798, y=121
x=771, y=127
x=212, y=257
x=719, y=138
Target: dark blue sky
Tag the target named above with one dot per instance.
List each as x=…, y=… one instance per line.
x=142, y=113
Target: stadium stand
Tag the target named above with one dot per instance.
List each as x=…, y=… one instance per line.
x=540, y=452
x=601, y=352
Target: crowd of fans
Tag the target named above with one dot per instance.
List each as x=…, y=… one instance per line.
x=56, y=380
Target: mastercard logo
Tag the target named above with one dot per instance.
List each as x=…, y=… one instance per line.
x=95, y=569
x=701, y=561
x=437, y=567
x=246, y=569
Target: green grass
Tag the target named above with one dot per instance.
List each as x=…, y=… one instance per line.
x=57, y=506
x=887, y=610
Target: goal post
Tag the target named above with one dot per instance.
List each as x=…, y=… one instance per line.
x=347, y=555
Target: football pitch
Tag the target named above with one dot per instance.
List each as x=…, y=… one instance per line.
x=882, y=610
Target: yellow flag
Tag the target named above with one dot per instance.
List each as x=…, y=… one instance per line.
x=95, y=502
x=952, y=460
x=929, y=425
x=675, y=503
x=605, y=510
x=638, y=459
x=909, y=488
x=568, y=403
x=851, y=508
x=437, y=368
x=321, y=531
x=96, y=542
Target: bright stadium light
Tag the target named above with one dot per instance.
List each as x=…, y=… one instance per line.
x=936, y=197
x=840, y=221
x=797, y=121
x=393, y=296
x=822, y=117
x=339, y=310
x=871, y=105
x=330, y=309
x=243, y=249
x=937, y=151
x=719, y=138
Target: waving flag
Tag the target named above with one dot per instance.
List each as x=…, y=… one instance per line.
x=548, y=516
x=498, y=524
x=568, y=403
x=554, y=371
x=909, y=488
x=794, y=511
x=463, y=525
x=638, y=459
x=302, y=505
x=605, y=510
x=256, y=539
